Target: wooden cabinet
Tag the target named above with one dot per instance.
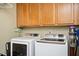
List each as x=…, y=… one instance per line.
x=76, y=13
x=64, y=14
x=34, y=14
x=27, y=15
x=22, y=15
x=47, y=14
x=72, y=51
x=18, y=6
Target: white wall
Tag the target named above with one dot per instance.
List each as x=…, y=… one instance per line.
x=44, y=30
x=7, y=25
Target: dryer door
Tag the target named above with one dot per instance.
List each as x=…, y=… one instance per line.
x=19, y=49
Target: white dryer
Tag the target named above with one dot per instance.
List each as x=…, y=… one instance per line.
x=23, y=46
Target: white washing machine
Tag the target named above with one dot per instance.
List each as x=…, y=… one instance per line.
x=23, y=46
x=52, y=45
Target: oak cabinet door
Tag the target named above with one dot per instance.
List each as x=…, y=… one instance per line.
x=76, y=13
x=34, y=14
x=47, y=14
x=19, y=12
x=22, y=15
x=64, y=13
x=27, y=14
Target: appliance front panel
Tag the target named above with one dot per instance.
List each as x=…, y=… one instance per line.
x=46, y=49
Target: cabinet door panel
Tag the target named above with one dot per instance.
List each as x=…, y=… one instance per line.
x=34, y=14
x=76, y=13
x=22, y=15
x=19, y=12
x=47, y=14
x=25, y=15
x=64, y=13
